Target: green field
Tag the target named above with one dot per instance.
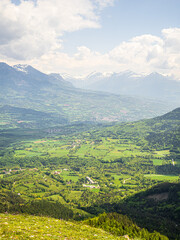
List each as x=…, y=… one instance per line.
x=169, y=178
x=104, y=150
x=157, y=162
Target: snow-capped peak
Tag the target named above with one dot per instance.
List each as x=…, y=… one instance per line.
x=21, y=68
x=99, y=75
x=66, y=75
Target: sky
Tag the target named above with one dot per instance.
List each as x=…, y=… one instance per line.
x=82, y=36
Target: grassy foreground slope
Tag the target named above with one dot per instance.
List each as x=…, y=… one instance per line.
x=31, y=227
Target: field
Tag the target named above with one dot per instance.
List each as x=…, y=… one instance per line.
x=106, y=149
x=165, y=178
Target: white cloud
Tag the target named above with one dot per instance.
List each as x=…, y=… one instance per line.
x=31, y=33
x=141, y=54
x=148, y=53
x=104, y=3
x=29, y=30
x=172, y=39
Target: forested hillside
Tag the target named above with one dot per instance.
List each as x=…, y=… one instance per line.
x=156, y=208
x=119, y=224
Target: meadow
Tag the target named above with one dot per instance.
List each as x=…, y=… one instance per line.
x=165, y=178
x=32, y=227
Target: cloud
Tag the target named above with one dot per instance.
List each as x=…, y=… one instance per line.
x=141, y=54
x=148, y=53
x=31, y=32
x=104, y=3
x=172, y=39
x=31, y=29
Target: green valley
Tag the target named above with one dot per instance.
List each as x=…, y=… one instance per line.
x=79, y=171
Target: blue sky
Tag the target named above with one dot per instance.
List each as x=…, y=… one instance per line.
x=81, y=36
x=126, y=19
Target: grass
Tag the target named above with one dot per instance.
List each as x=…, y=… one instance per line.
x=66, y=175
x=75, y=195
x=31, y=227
x=108, y=150
x=162, y=153
x=157, y=162
x=57, y=198
x=169, y=178
x=122, y=177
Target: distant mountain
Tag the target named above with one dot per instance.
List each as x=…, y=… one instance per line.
x=57, y=79
x=77, y=82
x=128, y=83
x=23, y=86
x=26, y=78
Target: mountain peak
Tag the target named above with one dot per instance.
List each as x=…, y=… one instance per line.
x=26, y=69
x=156, y=74
x=56, y=76
x=4, y=65
x=21, y=67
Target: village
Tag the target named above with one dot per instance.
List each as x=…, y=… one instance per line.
x=91, y=184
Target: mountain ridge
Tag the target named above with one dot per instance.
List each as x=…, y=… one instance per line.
x=33, y=89
x=25, y=77
x=153, y=85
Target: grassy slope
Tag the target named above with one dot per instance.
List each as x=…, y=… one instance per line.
x=31, y=227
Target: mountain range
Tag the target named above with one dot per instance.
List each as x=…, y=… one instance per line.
x=154, y=85
x=23, y=86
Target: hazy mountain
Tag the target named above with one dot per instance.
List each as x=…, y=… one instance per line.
x=57, y=79
x=26, y=78
x=25, y=87
x=151, y=86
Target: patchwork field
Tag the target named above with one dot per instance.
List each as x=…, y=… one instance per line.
x=105, y=149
